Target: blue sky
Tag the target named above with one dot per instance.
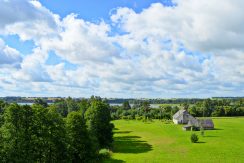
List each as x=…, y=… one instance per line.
x=122, y=48
x=94, y=10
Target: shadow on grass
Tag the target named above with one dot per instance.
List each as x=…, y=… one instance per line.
x=200, y=142
x=210, y=136
x=217, y=129
x=122, y=132
x=111, y=160
x=130, y=144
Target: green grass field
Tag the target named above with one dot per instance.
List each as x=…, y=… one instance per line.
x=136, y=142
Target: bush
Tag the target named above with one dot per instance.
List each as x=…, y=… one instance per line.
x=194, y=138
x=104, y=153
x=125, y=117
x=138, y=118
x=165, y=121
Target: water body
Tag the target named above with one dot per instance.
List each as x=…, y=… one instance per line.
x=151, y=105
x=28, y=103
x=111, y=104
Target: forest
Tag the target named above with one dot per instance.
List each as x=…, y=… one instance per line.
x=66, y=131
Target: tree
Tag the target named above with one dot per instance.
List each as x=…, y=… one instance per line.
x=219, y=111
x=83, y=105
x=228, y=111
x=61, y=107
x=126, y=105
x=41, y=102
x=185, y=105
x=146, y=108
x=49, y=135
x=81, y=148
x=16, y=134
x=72, y=105
x=43, y=135
x=98, y=119
x=2, y=107
x=193, y=111
x=207, y=108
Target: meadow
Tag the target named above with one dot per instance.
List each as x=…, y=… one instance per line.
x=155, y=142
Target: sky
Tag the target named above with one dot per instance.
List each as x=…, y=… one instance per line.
x=122, y=48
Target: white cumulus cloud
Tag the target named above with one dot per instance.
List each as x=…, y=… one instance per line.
x=193, y=49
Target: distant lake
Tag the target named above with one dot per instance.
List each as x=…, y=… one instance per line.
x=151, y=105
x=28, y=103
x=111, y=104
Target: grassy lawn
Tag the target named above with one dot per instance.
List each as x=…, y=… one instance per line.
x=136, y=141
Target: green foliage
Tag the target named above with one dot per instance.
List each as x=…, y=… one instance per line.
x=194, y=138
x=41, y=102
x=72, y=105
x=104, y=154
x=80, y=146
x=193, y=111
x=16, y=133
x=98, y=120
x=69, y=105
x=39, y=133
x=126, y=105
x=61, y=107
x=83, y=105
x=218, y=112
x=32, y=134
x=202, y=130
x=139, y=118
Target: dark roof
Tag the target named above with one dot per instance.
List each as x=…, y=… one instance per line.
x=205, y=123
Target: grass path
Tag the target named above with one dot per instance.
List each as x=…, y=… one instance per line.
x=136, y=141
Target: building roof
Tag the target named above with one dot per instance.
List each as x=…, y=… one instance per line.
x=205, y=123
x=179, y=113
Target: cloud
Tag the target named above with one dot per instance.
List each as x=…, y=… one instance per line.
x=82, y=41
x=33, y=68
x=9, y=56
x=32, y=20
x=205, y=25
x=187, y=50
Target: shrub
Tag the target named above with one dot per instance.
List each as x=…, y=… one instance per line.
x=125, y=117
x=202, y=131
x=104, y=153
x=194, y=138
x=138, y=118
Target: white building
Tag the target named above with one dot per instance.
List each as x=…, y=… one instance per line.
x=182, y=117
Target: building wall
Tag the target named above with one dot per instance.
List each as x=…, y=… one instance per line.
x=175, y=121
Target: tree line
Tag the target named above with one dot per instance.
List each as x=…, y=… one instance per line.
x=66, y=131
x=202, y=108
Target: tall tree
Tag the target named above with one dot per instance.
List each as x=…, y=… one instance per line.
x=40, y=101
x=80, y=146
x=72, y=105
x=146, y=108
x=126, y=105
x=16, y=134
x=49, y=133
x=98, y=119
x=61, y=107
